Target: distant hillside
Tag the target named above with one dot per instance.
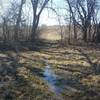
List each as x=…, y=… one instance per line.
x=54, y=32
x=51, y=32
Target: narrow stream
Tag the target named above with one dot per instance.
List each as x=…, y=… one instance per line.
x=52, y=80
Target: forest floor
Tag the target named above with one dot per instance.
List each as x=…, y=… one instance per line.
x=50, y=73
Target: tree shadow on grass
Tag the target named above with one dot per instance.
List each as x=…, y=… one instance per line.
x=37, y=71
x=21, y=81
x=28, y=45
x=19, y=87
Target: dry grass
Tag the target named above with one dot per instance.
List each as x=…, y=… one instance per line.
x=50, y=33
x=68, y=63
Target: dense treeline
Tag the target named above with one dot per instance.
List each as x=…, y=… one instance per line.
x=81, y=16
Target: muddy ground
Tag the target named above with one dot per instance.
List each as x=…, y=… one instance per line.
x=51, y=73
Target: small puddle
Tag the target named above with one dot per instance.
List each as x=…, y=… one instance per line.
x=53, y=80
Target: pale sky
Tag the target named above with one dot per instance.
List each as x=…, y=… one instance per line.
x=48, y=18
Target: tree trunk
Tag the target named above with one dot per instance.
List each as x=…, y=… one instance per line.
x=18, y=21
x=34, y=28
x=75, y=33
x=85, y=34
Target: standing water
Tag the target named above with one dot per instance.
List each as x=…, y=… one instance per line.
x=52, y=80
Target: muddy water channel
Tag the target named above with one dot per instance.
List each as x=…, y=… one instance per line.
x=53, y=80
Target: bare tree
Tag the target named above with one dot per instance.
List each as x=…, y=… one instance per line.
x=18, y=19
x=38, y=6
x=72, y=10
x=82, y=13
x=86, y=10
x=4, y=29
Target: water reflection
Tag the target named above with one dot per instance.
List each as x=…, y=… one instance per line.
x=53, y=80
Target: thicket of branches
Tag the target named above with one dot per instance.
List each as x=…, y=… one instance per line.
x=83, y=16
x=82, y=20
